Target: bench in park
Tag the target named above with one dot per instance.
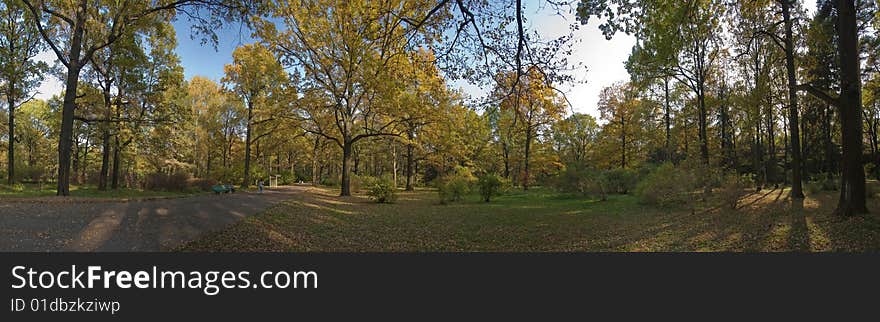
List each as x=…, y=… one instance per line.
x=223, y=188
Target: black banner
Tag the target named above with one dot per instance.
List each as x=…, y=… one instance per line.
x=430, y=286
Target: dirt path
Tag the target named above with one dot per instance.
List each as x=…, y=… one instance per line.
x=154, y=225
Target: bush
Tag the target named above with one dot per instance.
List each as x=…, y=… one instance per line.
x=359, y=183
x=620, y=180
x=490, y=185
x=332, y=181
x=166, y=182
x=453, y=187
x=382, y=190
x=583, y=180
x=733, y=188
x=666, y=186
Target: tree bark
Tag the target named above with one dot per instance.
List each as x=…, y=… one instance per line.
x=793, y=127
x=346, y=168
x=114, y=181
x=247, y=146
x=852, y=192
x=105, y=138
x=668, y=118
x=68, y=107
x=528, y=146
x=409, y=167
x=704, y=142
x=10, y=99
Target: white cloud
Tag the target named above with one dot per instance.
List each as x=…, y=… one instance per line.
x=51, y=85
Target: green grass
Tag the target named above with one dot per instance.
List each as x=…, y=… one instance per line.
x=540, y=220
x=25, y=191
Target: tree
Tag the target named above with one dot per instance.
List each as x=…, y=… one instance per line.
x=257, y=77
x=575, y=137
x=75, y=30
x=535, y=107
x=852, y=199
x=684, y=37
x=20, y=74
x=347, y=53
x=623, y=114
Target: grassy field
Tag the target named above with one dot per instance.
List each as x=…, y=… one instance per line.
x=20, y=191
x=318, y=220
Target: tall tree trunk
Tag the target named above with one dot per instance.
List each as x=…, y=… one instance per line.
x=528, y=146
x=394, y=163
x=114, y=181
x=345, y=183
x=622, y=142
x=105, y=138
x=852, y=192
x=68, y=106
x=829, y=165
x=668, y=118
x=704, y=142
x=771, y=145
x=10, y=99
x=65, y=138
x=247, y=146
x=793, y=127
x=409, y=167
x=505, y=151
x=316, y=172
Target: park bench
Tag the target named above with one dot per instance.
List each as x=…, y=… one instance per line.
x=223, y=188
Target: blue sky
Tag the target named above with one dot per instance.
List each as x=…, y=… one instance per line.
x=205, y=60
x=602, y=58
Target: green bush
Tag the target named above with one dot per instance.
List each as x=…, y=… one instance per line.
x=359, y=183
x=620, y=180
x=583, y=180
x=665, y=187
x=453, y=187
x=382, y=190
x=491, y=185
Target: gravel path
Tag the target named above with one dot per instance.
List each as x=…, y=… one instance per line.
x=153, y=225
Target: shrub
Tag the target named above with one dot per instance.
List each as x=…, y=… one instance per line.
x=733, y=188
x=583, y=180
x=453, y=187
x=620, y=180
x=666, y=186
x=359, y=183
x=167, y=182
x=331, y=181
x=382, y=190
x=490, y=185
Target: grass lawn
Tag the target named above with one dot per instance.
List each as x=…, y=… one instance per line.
x=318, y=220
x=25, y=191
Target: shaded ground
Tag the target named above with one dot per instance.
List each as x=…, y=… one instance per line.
x=46, y=192
x=318, y=220
x=152, y=225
